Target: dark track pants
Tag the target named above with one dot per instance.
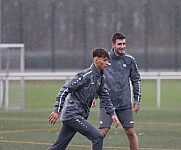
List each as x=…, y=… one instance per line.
x=82, y=126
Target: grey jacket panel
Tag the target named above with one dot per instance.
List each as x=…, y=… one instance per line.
x=81, y=90
x=121, y=71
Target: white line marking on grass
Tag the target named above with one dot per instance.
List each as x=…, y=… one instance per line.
x=21, y=142
x=23, y=119
x=158, y=123
x=29, y=130
x=82, y=146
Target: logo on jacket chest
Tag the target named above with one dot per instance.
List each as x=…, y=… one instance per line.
x=124, y=65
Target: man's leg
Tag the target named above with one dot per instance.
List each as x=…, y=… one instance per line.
x=127, y=121
x=63, y=139
x=88, y=130
x=105, y=121
x=132, y=138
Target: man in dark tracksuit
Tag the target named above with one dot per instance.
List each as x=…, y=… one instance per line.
x=121, y=71
x=82, y=89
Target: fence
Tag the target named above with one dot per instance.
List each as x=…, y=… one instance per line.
x=158, y=76
x=61, y=30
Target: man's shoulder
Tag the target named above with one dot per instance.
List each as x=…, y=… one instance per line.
x=129, y=56
x=85, y=73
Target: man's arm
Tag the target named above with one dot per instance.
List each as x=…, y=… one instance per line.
x=71, y=86
x=106, y=101
x=105, y=98
x=60, y=99
x=114, y=117
x=136, y=83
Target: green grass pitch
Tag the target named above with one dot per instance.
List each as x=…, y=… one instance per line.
x=157, y=129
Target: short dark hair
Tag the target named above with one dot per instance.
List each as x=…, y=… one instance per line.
x=100, y=52
x=117, y=36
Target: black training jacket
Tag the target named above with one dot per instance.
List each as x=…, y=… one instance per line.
x=82, y=89
x=121, y=71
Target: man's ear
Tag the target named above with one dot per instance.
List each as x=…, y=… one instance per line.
x=95, y=60
x=113, y=44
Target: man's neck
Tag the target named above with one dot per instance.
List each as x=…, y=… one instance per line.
x=117, y=54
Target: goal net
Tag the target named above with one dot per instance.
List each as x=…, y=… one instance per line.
x=11, y=79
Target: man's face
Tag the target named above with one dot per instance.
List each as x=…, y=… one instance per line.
x=119, y=46
x=101, y=63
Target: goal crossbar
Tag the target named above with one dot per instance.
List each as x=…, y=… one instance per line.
x=11, y=45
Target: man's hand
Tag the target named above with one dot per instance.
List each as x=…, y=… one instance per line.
x=115, y=120
x=53, y=117
x=136, y=107
x=94, y=103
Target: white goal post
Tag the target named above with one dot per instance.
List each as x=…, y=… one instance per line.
x=11, y=60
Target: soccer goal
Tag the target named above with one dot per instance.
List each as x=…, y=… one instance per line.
x=11, y=88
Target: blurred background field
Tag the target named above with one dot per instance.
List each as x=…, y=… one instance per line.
x=157, y=129
x=56, y=31
x=58, y=36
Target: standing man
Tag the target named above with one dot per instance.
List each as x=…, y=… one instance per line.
x=121, y=70
x=82, y=89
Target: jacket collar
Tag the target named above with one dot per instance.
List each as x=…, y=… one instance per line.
x=95, y=71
